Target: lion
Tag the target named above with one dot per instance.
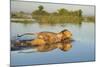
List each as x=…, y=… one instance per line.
x=51, y=37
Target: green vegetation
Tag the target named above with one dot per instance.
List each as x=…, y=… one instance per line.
x=90, y=18
x=39, y=12
x=62, y=15
x=21, y=14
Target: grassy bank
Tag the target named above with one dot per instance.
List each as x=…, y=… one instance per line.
x=58, y=19
x=89, y=18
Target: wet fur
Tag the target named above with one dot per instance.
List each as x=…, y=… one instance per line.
x=51, y=37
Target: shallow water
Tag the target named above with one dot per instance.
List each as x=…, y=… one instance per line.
x=83, y=48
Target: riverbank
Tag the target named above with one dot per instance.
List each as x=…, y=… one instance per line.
x=51, y=19
x=58, y=19
x=22, y=20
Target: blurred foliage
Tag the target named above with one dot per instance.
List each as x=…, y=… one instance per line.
x=62, y=15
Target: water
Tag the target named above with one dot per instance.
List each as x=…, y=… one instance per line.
x=83, y=48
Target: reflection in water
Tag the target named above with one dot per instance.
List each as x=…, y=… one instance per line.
x=64, y=46
x=25, y=23
x=43, y=25
x=63, y=24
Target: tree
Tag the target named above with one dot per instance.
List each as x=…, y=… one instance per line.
x=63, y=11
x=80, y=13
x=40, y=8
x=40, y=11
